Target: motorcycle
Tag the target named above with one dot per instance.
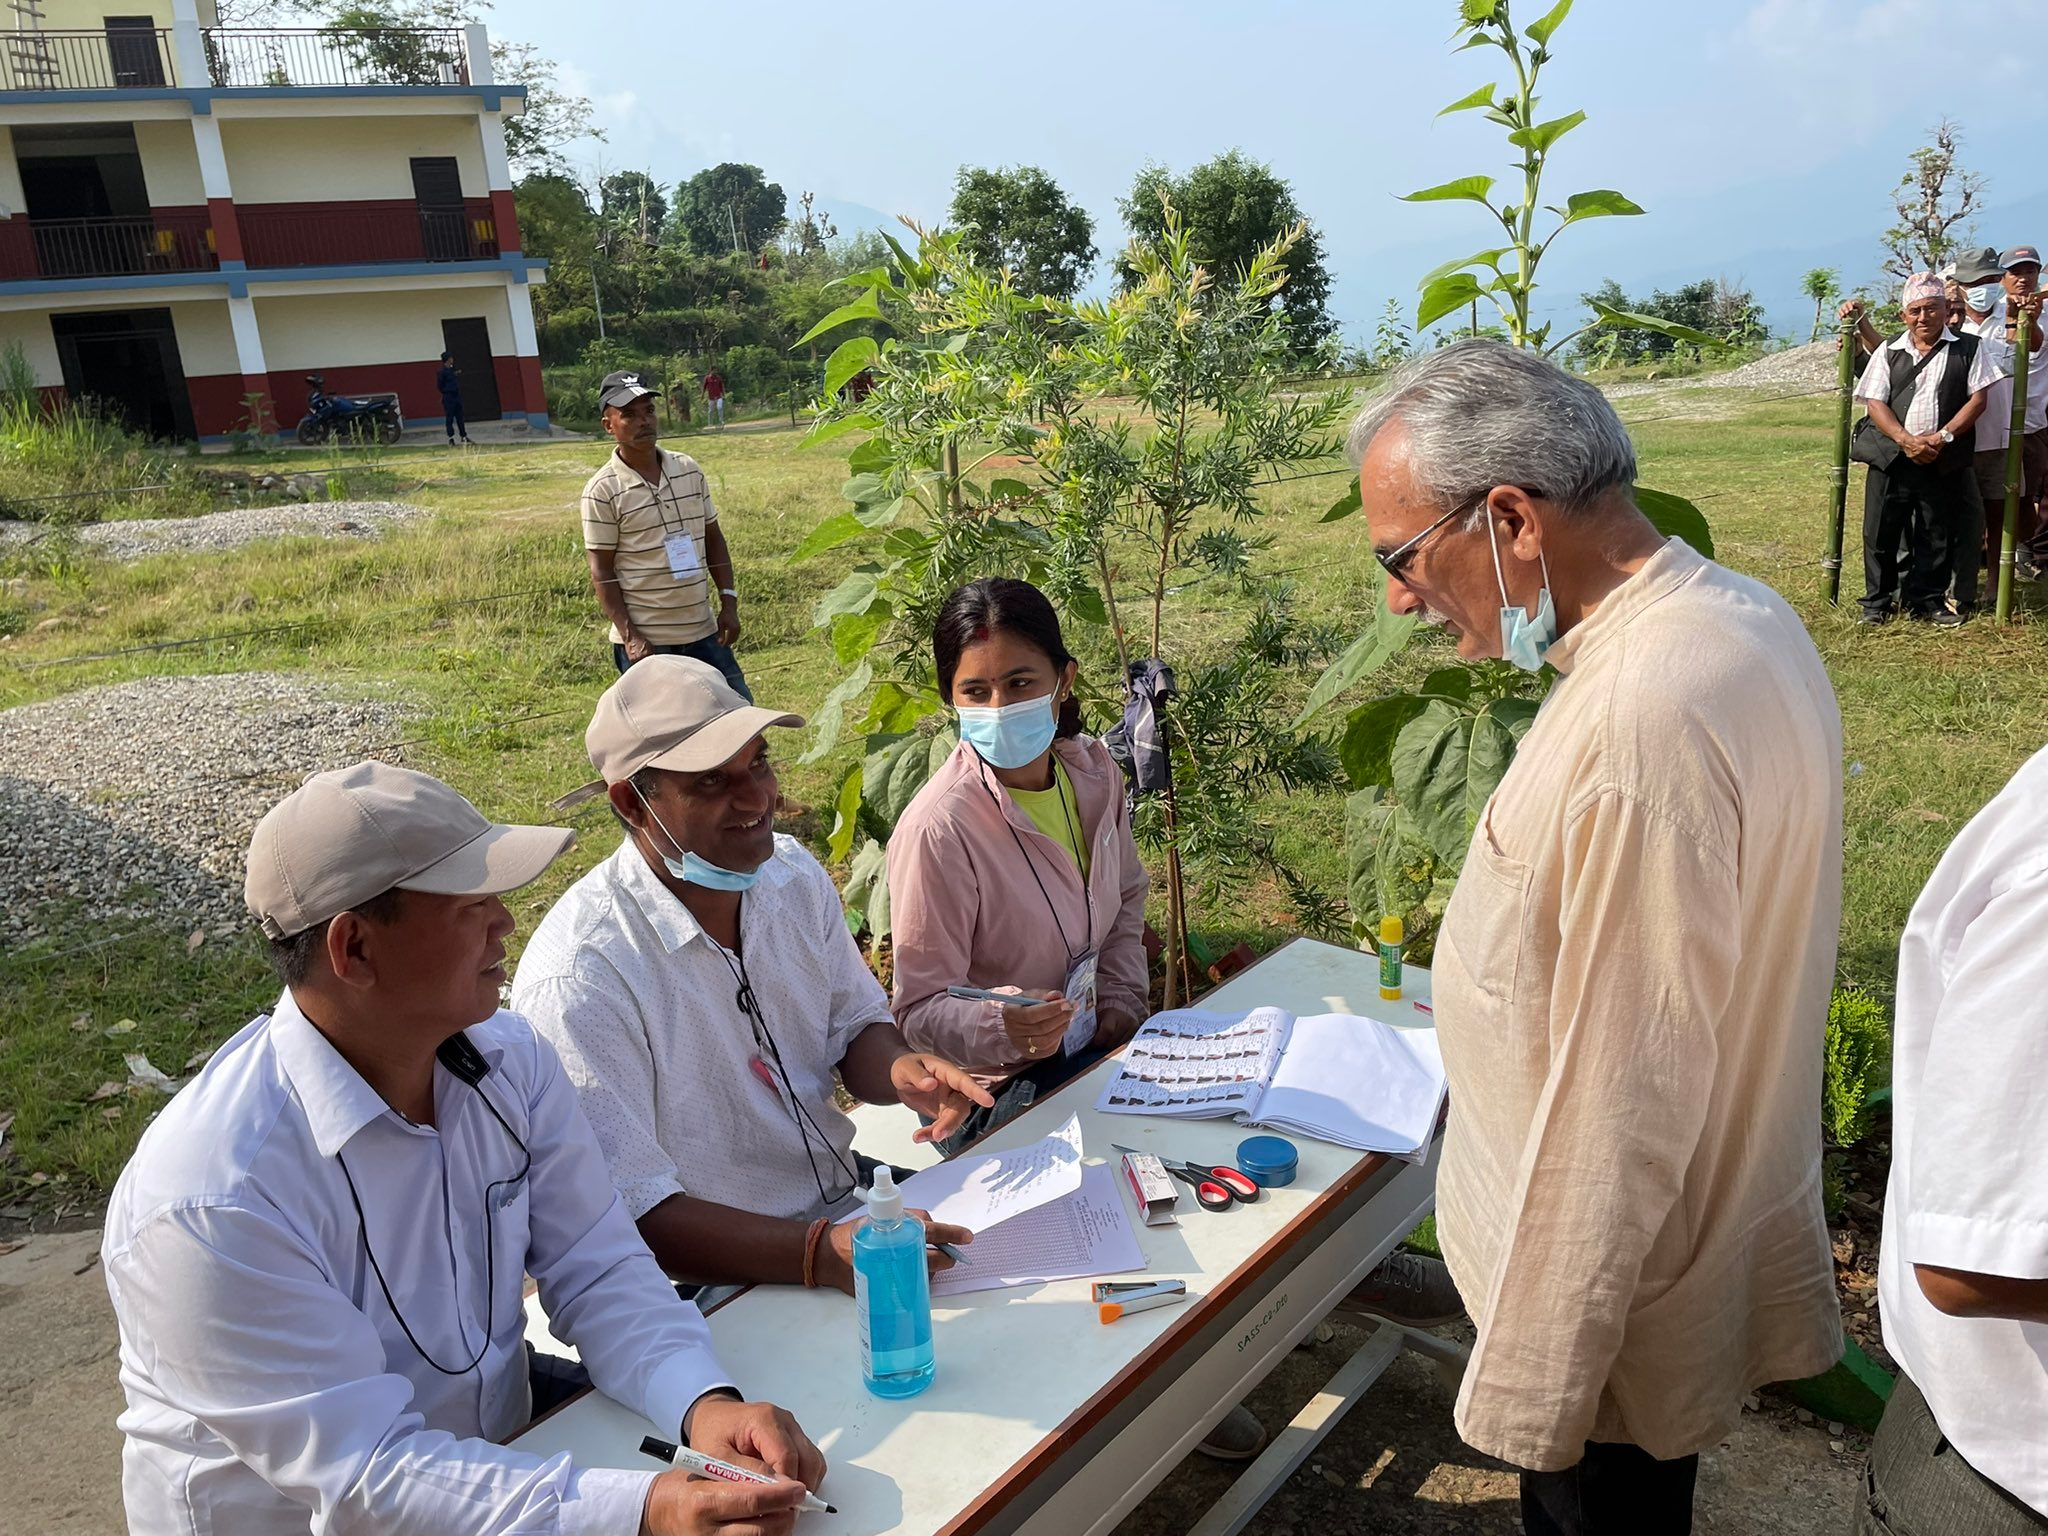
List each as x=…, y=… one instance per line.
x=346, y=417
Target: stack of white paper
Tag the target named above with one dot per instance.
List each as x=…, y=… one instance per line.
x=1036, y=1214
x=1335, y=1076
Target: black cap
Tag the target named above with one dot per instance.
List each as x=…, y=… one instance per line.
x=1978, y=267
x=621, y=388
x=2020, y=256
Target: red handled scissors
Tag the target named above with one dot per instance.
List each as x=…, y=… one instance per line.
x=1217, y=1187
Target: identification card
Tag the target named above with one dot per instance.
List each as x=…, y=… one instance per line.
x=682, y=555
x=1080, y=988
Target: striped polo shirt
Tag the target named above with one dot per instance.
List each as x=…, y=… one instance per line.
x=634, y=518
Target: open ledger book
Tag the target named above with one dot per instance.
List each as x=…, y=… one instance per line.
x=1334, y=1076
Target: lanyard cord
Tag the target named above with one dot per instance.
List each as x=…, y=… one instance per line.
x=490, y=1256
x=750, y=1005
x=1024, y=853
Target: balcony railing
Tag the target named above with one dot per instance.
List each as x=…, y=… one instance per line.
x=107, y=247
x=349, y=235
x=336, y=56
x=120, y=58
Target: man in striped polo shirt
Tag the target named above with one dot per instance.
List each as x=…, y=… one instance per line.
x=658, y=558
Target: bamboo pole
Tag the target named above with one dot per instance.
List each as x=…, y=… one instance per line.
x=2013, y=462
x=1838, y=486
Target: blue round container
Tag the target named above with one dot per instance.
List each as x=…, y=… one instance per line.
x=1268, y=1161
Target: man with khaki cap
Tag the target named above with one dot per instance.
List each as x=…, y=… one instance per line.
x=315, y=1255
x=702, y=989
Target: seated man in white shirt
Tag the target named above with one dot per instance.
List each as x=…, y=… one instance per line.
x=702, y=989
x=1963, y=1271
x=315, y=1255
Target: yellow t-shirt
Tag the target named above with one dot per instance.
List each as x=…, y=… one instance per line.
x=1060, y=822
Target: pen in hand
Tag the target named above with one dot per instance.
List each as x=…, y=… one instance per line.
x=707, y=1466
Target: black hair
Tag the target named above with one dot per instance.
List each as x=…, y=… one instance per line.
x=292, y=957
x=1000, y=605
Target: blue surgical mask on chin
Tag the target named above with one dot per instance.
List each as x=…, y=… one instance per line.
x=696, y=871
x=1523, y=638
x=1014, y=735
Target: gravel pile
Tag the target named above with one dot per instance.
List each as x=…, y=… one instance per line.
x=131, y=540
x=1810, y=367
x=132, y=804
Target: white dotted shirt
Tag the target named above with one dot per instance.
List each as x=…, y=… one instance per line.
x=641, y=1004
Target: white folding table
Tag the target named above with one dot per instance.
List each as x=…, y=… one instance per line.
x=1041, y=1419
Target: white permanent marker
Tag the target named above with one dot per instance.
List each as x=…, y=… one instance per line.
x=706, y=1466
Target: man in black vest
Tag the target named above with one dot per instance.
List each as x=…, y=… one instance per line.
x=1924, y=391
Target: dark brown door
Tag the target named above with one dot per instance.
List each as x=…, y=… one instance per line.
x=444, y=223
x=134, y=51
x=470, y=341
x=126, y=361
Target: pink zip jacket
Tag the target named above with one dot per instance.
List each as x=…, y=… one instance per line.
x=964, y=909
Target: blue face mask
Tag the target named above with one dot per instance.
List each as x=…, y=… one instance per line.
x=1524, y=639
x=1985, y=300
x=1014, y=735
x=698, y=871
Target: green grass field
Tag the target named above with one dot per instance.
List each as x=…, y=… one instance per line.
x=1934, y=722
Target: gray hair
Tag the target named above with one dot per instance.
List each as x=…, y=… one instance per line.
x=1482, y=413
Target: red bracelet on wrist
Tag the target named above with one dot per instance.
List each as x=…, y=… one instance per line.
x=811, y=1251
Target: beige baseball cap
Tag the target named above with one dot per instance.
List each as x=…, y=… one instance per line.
x=347, y=836
x=673, y=712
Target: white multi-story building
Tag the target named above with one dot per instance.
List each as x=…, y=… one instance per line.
x=191, y=215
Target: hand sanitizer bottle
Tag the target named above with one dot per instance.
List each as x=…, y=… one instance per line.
x=892, y=1294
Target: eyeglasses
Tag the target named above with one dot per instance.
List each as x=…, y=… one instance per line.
x=1396, y=561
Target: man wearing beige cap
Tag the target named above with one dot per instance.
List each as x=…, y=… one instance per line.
x=315, y=1255
x=702, y=989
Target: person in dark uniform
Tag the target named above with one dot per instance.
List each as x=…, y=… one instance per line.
x=449, y=382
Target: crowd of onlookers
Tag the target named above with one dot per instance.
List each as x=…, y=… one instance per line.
x=1939, y=402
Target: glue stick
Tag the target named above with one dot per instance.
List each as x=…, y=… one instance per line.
x=1390, y=957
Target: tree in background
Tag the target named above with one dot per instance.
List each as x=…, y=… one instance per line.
x=1020, y=219
x=1391, y=344
x=630, y=204
x=1823, y=285
x=1712, y=308
x=729, y=207
x=533, y=140
x=553, y=116
x=810, y=232
x=1234, y=207
x=1935, y=201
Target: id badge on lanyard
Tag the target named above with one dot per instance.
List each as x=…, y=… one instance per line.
x=682, y=555
x=1079, y=988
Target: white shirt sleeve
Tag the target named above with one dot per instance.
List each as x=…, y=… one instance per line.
x=602, y=1291
x=855, y=998
x=1875, y=383
x=603, y=1045
x=1988, y=366
x=237, y=1322
x=1980, y=1134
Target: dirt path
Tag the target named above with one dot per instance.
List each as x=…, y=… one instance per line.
x=1394, y=1467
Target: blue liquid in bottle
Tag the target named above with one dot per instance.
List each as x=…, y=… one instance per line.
x=892, y=1294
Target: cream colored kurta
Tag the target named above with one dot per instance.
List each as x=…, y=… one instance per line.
x=1631, y=991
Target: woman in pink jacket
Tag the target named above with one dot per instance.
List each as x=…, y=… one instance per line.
x=1014, y=867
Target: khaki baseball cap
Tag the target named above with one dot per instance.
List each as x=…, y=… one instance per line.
x=673, y=712
x=347, y=836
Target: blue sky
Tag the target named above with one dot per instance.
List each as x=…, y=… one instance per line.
x=1763, y=136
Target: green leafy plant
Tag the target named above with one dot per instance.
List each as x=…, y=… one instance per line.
x=1857, y=1068
x=1505, y=275
x=1114, y=452
x=1424, y=764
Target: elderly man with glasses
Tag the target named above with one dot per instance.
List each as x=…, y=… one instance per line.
x=1632, y=978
